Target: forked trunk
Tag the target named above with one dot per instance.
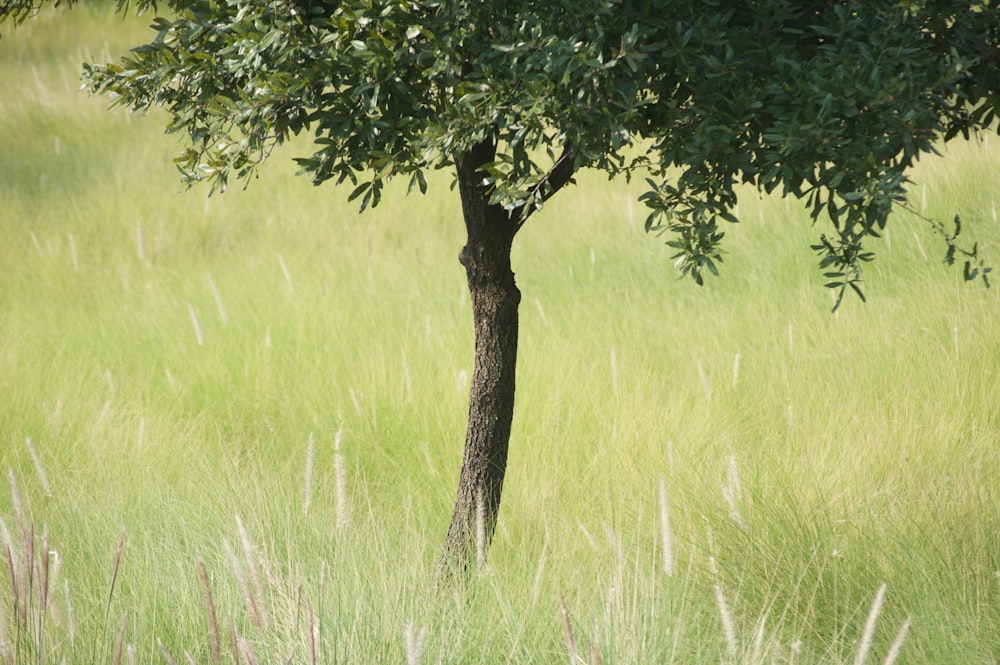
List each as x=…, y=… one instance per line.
x=495, y=299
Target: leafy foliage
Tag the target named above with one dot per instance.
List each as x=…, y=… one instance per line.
x=828, y=101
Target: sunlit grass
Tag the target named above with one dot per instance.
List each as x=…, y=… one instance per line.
x=171, y=356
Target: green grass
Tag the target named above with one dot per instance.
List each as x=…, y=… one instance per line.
x=170, y=356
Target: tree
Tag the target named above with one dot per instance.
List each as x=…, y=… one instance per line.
x=830, y=101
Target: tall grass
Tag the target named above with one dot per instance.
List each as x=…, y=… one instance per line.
x=266, y=393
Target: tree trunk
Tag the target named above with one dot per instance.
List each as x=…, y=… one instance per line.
x=495, y=299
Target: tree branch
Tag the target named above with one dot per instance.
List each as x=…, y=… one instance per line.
x=558, y=177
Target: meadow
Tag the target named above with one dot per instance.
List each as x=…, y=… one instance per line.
x=231, y=426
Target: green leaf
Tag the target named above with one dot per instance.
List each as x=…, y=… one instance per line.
x=358, y=191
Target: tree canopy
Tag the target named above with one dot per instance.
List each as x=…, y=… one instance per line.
x=828, y=100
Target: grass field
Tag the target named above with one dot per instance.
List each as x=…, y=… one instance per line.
x=251, y=407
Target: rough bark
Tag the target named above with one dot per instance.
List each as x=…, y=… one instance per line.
x=495, y=299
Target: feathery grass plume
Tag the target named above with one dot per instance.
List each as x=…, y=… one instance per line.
x=241, y=582
x=733, y=478
x=17, y=563
x=541, y=312
x=171, y=381
x=868, y=634
x=244, y=579
x=221, y=306
x=589, y=537
x=210, y=615
x=340, y=482
x=568, y=629
x=5, y=538
x=594, y=650
x=284, y=271
x=897, y=643
x=757, y=651
x=536, y=585
x=197, y=327
x=728, y=625
x=6, y=656
x=311, y=625
x=29, y=567
x=234, y=639
x=15, y=592
x=308, y=480
x=37, y=461
x=253, y=561
x=705, y=387
x=736, y=370
x=732, y=491
x=166, y=652
x=120, y=641
x=414, y=644
x=665, y=531
x=247, y=652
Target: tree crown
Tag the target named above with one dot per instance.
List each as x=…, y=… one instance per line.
x=830, y=101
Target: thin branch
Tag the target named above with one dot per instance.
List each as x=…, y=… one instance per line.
x=560, y=175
